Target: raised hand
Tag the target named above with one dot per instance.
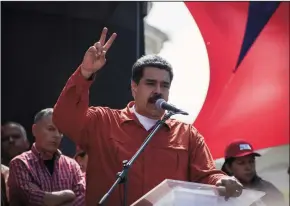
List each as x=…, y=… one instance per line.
x=95, y=56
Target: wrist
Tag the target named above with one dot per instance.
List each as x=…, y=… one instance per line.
x=85, y=74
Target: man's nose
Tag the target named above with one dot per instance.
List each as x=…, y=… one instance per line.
x=58, y=134
x=157, y=89
x=11, y=140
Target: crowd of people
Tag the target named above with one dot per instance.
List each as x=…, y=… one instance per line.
x=39, y=174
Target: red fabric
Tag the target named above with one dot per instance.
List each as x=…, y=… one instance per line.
x=29, y=168
x=78, y=149
x=252, y=103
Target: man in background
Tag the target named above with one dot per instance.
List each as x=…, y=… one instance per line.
x=82, y=159
x=43, y=175
x=13, y=141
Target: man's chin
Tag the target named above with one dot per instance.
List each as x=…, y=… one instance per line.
x=51, y=150
x=48, y=153
x=157, y=114
x=249, y=177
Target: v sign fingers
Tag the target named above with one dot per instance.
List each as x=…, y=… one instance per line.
x=110, y=42
x=95, y=58
x=99, y=48
x=103, y=36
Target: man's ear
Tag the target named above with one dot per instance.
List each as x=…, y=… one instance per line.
x=34, y=130
x=133, y=88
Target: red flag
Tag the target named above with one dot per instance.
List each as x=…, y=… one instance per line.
x=251, y=102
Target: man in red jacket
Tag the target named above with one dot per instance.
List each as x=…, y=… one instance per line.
x=110, y=136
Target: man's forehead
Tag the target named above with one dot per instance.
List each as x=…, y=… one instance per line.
x=47, y=120
x=154, y=73
x=11, y=128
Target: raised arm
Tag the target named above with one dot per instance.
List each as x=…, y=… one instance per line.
x=23, y=189
x=72, y=114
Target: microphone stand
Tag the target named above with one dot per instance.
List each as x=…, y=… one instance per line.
x=122, y=177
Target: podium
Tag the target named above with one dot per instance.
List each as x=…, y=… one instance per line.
x=180, y=193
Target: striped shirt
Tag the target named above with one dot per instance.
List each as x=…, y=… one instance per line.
x=29, y=168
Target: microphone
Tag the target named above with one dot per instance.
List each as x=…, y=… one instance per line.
x=162, y=104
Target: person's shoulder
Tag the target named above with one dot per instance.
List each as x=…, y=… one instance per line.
x=187, y=129
x=4, y=168
x=186, y=126
x=68, y=160
x=273, y=194
x=24, y=157
x=178, y=123
x=71, y=163
x=268, y=185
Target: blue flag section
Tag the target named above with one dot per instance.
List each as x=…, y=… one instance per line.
x=259, y=15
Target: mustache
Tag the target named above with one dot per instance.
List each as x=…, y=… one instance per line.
x=154, y=98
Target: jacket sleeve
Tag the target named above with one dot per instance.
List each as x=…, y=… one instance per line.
x=72, y=114
x=202, y=166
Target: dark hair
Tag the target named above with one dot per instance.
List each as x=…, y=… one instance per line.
x=151, y=60
x=228, y=161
